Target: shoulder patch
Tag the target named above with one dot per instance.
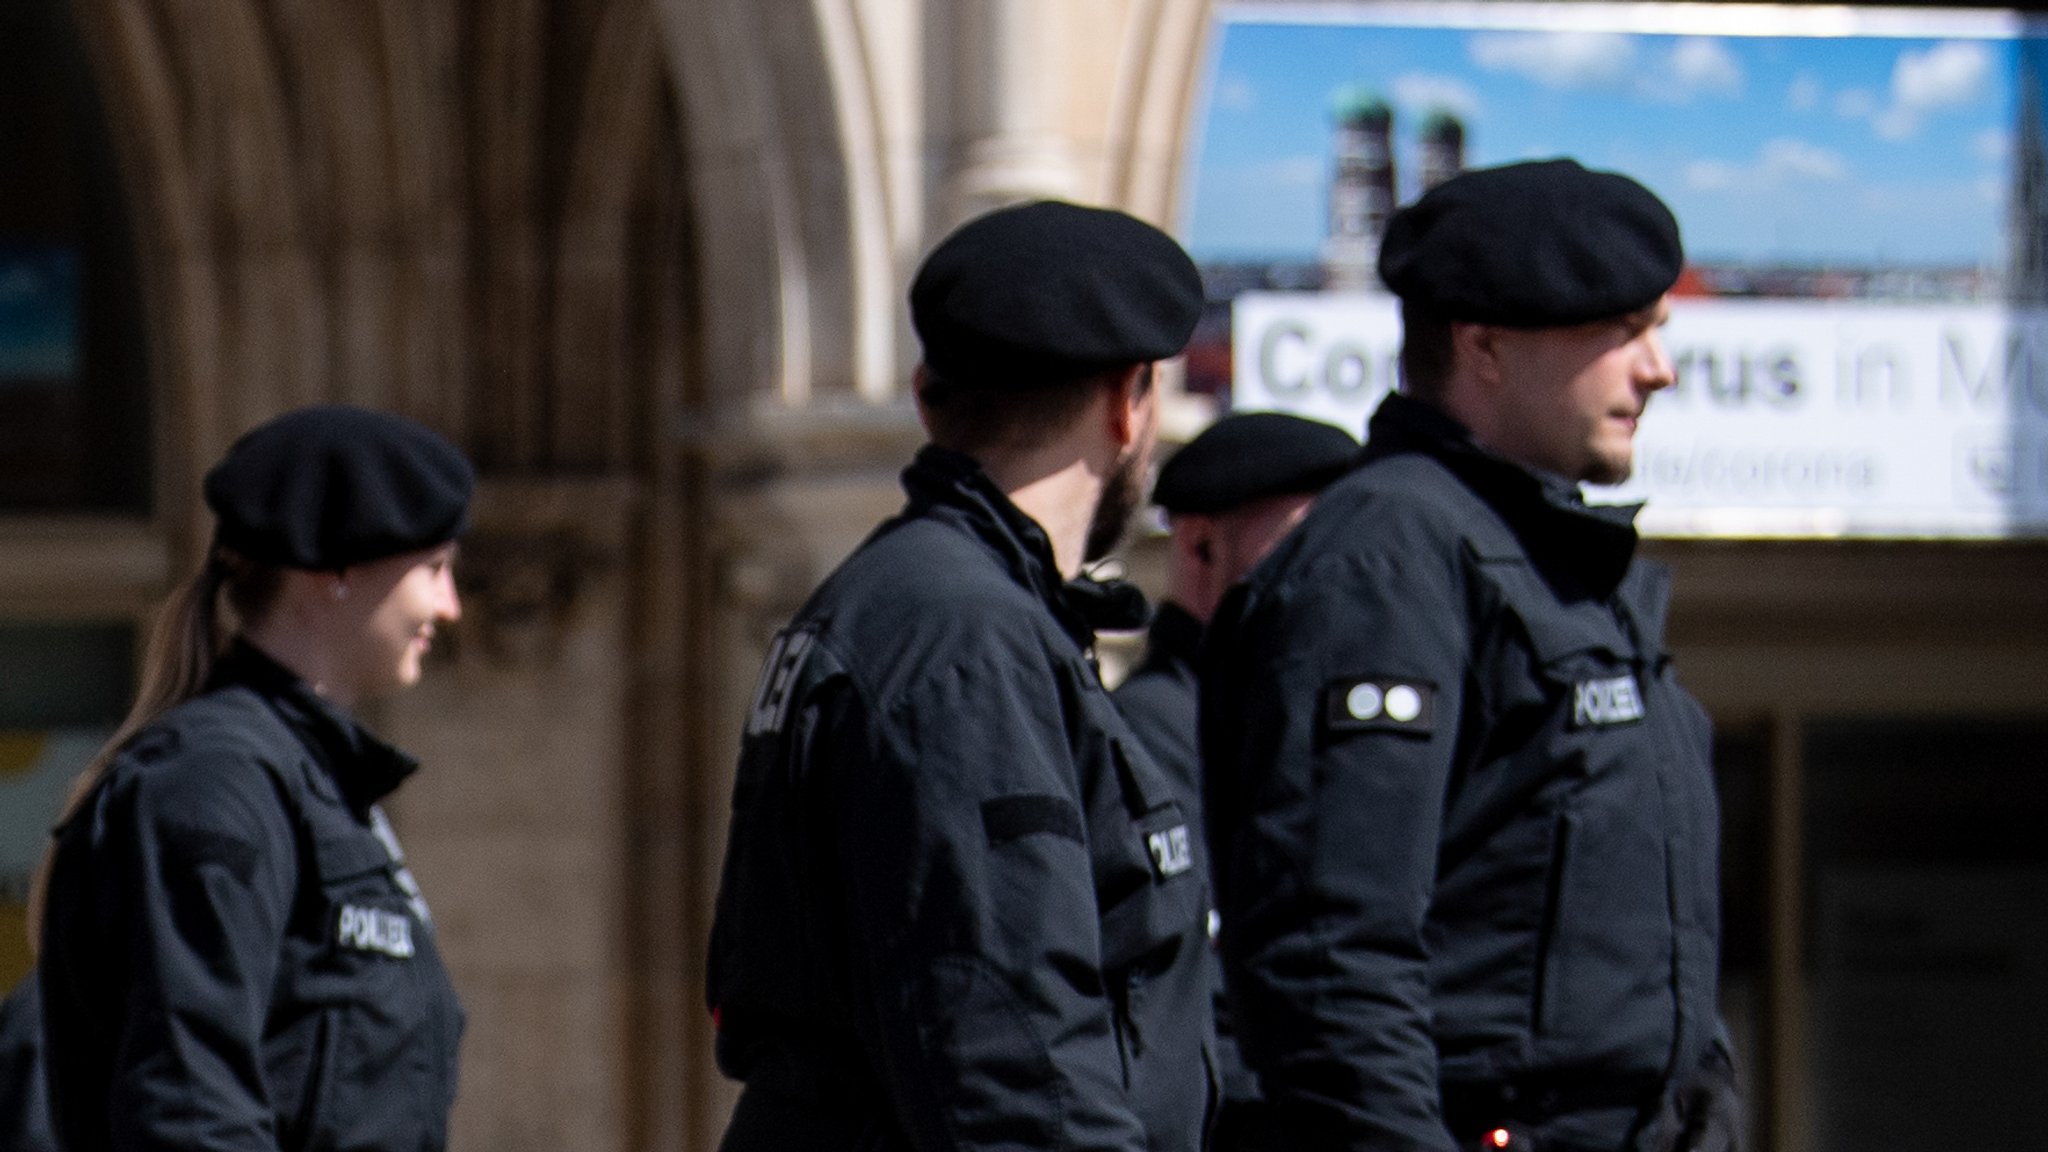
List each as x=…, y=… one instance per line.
x=195, y=846
x=1007, y=818
x=1380, y=703
x=786, y=658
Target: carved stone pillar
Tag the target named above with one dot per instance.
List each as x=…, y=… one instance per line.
x=1009, y=75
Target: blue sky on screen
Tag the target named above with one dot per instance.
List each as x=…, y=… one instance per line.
x=1844, y=150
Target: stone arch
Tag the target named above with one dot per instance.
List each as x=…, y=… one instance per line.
x=425, y=206
x=803, y=200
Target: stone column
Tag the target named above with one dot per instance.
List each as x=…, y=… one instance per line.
x=1010, y=87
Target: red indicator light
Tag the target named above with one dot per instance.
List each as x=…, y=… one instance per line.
x=1499, y=1137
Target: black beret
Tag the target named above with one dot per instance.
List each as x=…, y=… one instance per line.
x=1048, y=292
x=1249, y=456
x=326, y=487
x=1543, y=244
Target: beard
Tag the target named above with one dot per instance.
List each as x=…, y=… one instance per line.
x=1610, y=469
x=1121, y=495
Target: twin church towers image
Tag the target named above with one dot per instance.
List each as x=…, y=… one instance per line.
x=1363, y=183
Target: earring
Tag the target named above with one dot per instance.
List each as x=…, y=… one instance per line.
x=340, y=590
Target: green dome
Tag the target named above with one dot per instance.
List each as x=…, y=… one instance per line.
x=1355, y=105
x=1442, y=124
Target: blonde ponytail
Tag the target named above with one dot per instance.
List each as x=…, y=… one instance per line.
x=184, y=642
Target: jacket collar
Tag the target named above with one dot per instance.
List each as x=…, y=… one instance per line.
x=1582, y=550
x=1175, y=635
x=951, y=486
x=364, y=768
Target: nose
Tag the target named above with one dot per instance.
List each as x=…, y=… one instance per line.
x=1654, y=371
x=451, y=600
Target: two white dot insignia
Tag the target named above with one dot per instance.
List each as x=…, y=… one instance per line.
x=1400, y=703
x=1395, y=703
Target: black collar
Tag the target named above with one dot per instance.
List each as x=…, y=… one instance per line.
x=1582, y=550
x=952, y=486
x=1108, y=603
x=1175, y=634
x=364, y=768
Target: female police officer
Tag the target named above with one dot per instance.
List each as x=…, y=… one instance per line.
x=234, y=955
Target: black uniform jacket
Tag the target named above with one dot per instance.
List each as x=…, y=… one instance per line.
x=1158, y=701
x=1158, y=697
x=24, y=1103
x=1462, y=812
x=235, y=957
x=961, y=906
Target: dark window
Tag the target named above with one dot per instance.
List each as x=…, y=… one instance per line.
x=73, y=419
x=1927, y=921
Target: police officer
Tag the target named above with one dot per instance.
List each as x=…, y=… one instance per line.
x=1462, y=810
x=961, y=907
x=233, y=952
x=1229, y=496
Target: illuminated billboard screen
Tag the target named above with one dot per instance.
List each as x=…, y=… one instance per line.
x=1860, y=335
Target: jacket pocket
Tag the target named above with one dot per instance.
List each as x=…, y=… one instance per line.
x=344, y=860
x=1556, y=630
x=370, y=978
x=364, y=908
x=1549, y=963
x=1159, y=896
x=1604, y=983
x=1146, y=922
x=1144, y=937
x=298, y=1071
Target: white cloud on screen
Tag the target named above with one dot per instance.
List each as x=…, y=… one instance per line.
x=1418, y=92
x=1950, y=75
x=1804, y=93
x=1560, y=60
x=1703, y=65
x=1779, y=162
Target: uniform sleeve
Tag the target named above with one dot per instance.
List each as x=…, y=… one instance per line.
x=206, y=877
x=975, y=921
x=1330, y=705
x=24, y=1110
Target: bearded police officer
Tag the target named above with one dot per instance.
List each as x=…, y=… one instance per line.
x=1229, y=496
x=1462, y=812
x=961, y=906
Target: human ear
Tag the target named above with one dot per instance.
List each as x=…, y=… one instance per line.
x=1128, y=396
x=917, y=379
x=1476, y=347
